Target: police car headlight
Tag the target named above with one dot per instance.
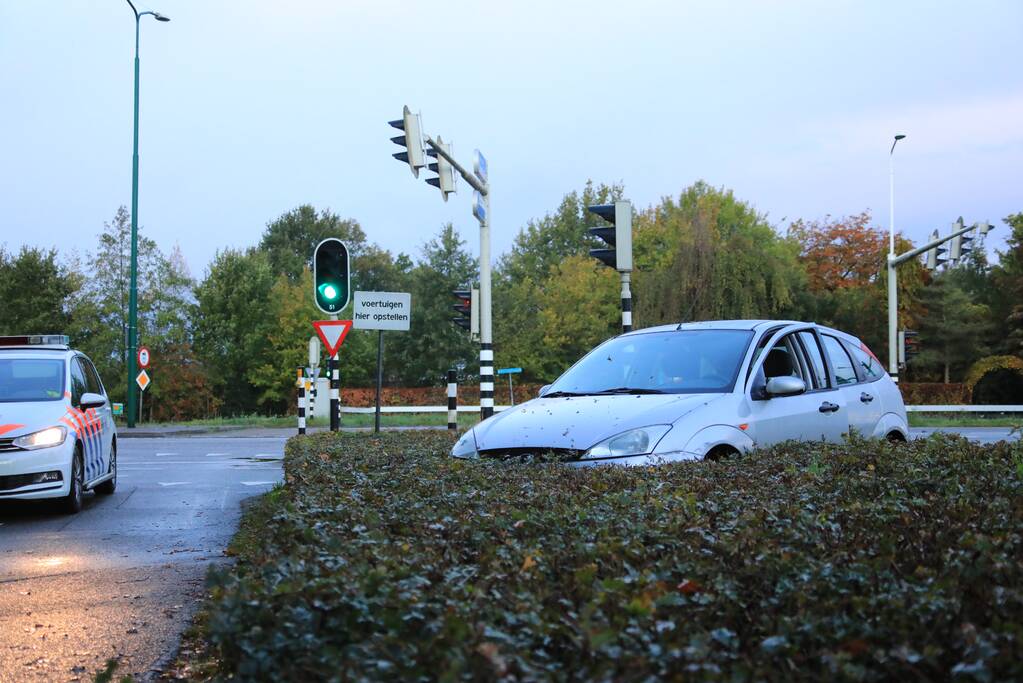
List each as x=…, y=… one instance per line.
x=633, y=442
x=465, y=447
x=53, y=436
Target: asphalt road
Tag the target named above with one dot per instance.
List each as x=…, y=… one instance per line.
x=123, y=577
x=983, y=435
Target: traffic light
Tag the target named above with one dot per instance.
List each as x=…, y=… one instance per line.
x=935, y=256
x=955, y=249
x=909, y=345
x=468, y=310
x=331, y=278
x=445, y=180
x=618, y=235
x=983, y=228
x=412, y=141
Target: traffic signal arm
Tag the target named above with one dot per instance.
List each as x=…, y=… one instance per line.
x=474, y=182
x=933, y=244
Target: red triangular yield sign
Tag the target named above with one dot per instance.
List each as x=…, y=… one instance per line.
x=332, y=333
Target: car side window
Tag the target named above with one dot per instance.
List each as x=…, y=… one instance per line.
x=759, y=350
x=845, y=373
x=79, y=385
x=869, y=365
x=813, y=351
x=92, y=380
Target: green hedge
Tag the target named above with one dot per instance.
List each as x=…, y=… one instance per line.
x=383, y=559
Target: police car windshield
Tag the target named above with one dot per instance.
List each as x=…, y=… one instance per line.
x=31, y=379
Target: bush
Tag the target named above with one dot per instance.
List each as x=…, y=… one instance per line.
x=384, y=559
x=935, y=393
x=468, y=394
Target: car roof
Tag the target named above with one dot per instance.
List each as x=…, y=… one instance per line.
x=36, y=351
x=739, y=325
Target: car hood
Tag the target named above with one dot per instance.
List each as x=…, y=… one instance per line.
x=580, y=422
x=17, y=419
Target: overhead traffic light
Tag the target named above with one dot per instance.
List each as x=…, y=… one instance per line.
x=445, y=180
x=955, y=247
x=331, y=276
x=618, y=235
x=412, y=141
x=936, y=256
x=468, y=310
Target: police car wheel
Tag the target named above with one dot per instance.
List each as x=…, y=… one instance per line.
x=110, y=485
x=72, y=503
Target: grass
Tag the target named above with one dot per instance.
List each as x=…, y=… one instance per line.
x=964, y=420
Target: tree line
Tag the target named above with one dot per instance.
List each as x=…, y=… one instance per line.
x=229, y=342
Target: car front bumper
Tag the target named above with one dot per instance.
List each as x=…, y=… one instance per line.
x=17, y=468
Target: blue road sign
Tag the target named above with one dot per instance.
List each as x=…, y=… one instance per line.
x=509, y=371
x=479, y=209
x=479, y=165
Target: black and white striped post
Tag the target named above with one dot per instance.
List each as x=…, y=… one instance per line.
x=301, y=401
x=486, y=380
x=335, y=393
x=452, y=400
x=626, y=303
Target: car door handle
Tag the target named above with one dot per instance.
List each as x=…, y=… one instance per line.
x=866, y=398
x=828, y=407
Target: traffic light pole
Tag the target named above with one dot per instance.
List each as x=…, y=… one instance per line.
x=893, y=263
x=486, y=328
x=626, y=303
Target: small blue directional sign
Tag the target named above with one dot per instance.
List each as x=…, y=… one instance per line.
x=509, y=371
x=479, y=165
x=479, y=209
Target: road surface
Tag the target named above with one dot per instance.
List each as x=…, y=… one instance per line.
x=123, y=577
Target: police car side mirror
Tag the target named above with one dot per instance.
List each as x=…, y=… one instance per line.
x=90, y=400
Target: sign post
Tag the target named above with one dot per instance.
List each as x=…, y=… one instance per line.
x=382, y=311
x=511, y=390
x=142, y=379
x=332, y=333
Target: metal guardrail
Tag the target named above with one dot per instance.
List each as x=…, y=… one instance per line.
x=964, y=409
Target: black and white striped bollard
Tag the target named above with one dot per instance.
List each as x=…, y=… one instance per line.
x=626, y=303
x=335, y=389
x=301, y=401
x=452, y=400
x=486, y=380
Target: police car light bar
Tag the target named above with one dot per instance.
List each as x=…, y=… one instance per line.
x=36, y=340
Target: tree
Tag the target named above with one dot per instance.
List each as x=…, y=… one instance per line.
x=710, y=256
x=952, y=330
x=231, y=324
x=839, y=253
x=434, y=344
x=1007, y=302
x=35, y=290
x=289, y=240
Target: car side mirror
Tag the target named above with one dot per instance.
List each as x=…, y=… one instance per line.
x=90, y=400
x=543, y=390
x=785, y=386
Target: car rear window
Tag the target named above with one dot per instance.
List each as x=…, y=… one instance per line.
x=844, y=371
x=31, y=379
x=868, y=363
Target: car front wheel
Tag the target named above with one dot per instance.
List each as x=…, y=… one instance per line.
x=72, y=503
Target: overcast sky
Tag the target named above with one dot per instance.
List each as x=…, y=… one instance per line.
x=252, y=108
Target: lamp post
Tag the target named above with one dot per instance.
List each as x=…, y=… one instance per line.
x=893, y=294
x=133, y=291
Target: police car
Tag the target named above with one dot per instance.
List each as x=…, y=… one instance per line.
x=57, y=435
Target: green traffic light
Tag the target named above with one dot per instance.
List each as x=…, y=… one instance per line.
x=328, y=291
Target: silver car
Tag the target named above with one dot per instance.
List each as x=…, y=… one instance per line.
x=700, y=390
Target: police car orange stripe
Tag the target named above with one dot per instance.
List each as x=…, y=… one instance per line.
x=9, y=428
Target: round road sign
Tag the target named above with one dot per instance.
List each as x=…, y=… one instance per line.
x=143, y=357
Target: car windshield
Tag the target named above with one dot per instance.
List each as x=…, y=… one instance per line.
x=31, y=379
x=675, y=362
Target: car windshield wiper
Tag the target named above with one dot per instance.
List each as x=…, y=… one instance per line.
x=627, y=390
x=556, y=394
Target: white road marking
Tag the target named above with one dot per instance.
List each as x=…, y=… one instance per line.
x=160, y=455
x=258, y=483
x=214, y=455
x=173, y=483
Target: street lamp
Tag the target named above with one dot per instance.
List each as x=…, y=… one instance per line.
x=893, y=295
x=133, y=291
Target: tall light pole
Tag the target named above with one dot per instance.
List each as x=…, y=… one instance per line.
x=133, y=313
x=893, y=294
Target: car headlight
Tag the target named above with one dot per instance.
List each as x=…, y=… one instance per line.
x=465, y=447
x=52, y=436
x=633, y=442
